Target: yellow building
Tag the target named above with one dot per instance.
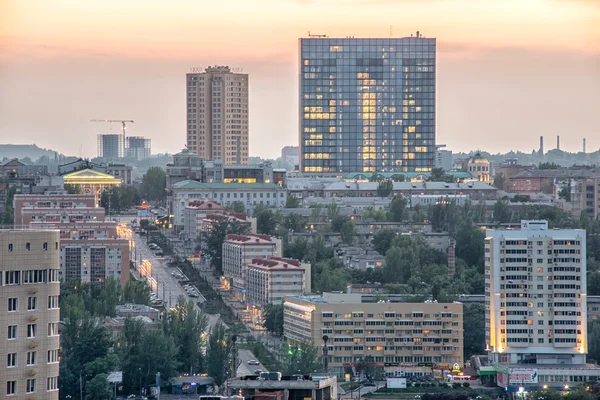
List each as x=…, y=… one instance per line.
x=89, y=181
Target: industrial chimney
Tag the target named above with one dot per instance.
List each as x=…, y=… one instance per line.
x=558, y=143
x=542, y=145
x=584, y=145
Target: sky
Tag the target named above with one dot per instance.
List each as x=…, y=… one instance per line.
x=509, y=71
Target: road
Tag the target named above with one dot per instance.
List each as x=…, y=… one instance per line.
x=245, y=368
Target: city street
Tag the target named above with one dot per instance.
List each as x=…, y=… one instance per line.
x=247, y=369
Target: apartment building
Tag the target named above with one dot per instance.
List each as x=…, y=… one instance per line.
x=536, y=304
x=29, y=311
x=239, y=251
x=55, y=208
x=207, y=222
x=272, y=279
x=91, y=251
x=217, y=114
x=402, y=338
x=195, y=213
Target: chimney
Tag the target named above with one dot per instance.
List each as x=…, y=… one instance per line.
x=584, y=145
x=558, y=143
x=542, y=145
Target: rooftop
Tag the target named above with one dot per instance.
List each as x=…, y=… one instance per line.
x=205, y=205
x=124, y=308
x=276, y=263
x=195, y=185
x=410, y=186
x=250, y=237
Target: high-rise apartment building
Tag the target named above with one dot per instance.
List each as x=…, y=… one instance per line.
x=403, y=338
x=217, y=114
x=110, y=146
x=29, y=311
x=138, y=147
x=367, y=105
x=536, y=295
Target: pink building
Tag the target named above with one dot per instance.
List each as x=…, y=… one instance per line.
x=195, y=213
x=270, y=280
x=208, y=221
x=55, y=209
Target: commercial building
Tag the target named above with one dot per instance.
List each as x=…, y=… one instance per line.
x=217, y=114
x=110, y=146
x=120, y=171
x=216, y=171
x=138, y=147
x=239, y=251
x=367, y=105
x=479, y=168
x=402, y=338
x=272, y=279
x=535, y=293
x=315, y=387
x=30, y=315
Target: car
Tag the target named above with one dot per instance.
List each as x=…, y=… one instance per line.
x=258, y=372
x=369, y=384
x=253, y=362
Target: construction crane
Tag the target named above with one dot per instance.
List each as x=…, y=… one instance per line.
x=123, y=124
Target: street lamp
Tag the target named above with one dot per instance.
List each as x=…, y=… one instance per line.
x=140, y=370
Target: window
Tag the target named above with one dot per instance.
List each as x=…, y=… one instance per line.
x=32, y=303
x=52, y=329
x=10, y=247
x=52, y=356
x=45, y=246
x=12, y=277
x=13, y=304
x=30, y=388
x=31, y=331
x=11, y=360
x=52, y=383
x=31, y=358
x=12, y=332
x=27, y=246
x=11, y=388
x=52, y=302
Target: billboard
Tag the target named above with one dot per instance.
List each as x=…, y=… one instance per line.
x=522, y=375
x=396, y=383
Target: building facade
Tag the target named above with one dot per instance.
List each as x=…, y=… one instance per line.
x=536, y=295
x=217, y=114
x=195, y=213
x=55, y=208
x=30, y=315
x=239, y=251
x=399, y=336
x=272, y=279
x=367, y=105
x=138, y=147
x=110, y=146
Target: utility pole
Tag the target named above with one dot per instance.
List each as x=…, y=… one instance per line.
x=325, y=353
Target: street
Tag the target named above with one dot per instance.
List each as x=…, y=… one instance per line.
x=244, y=368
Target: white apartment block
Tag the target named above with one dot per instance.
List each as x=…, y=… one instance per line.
x=30, y=315
x=217, y=114
x=400, y=337
x=239, y=251
x=195, y=213
x=535, y=287
x=272, y=279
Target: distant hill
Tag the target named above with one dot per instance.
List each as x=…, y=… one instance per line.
x=20, y=151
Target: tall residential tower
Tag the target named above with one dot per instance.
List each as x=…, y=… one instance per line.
x=367, y=105
x=217, y=114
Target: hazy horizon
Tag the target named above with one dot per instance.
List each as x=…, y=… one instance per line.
x=508, y=70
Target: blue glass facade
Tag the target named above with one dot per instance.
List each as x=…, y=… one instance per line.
x=367, y=105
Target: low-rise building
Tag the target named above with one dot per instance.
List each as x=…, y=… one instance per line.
x=55, y=208
x=207, y=222
x=272, y=279
x=120, y=171
x=403, y=338
x=239, y=251
x=317, y=387
x=134, y=310
x=195, y=213
x=218, y=172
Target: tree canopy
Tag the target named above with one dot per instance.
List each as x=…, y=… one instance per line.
x=153, y=186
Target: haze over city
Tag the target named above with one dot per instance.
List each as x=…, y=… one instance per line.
x=508, y=71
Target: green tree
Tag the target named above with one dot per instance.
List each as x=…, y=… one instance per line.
x=137, y=292
x=217, y=354
x=237, y=207
x=382, y=240
x=329, y=275
x=380, y=216
x=594, y=340
x=376, y=177
x=98, y=388
x=385, y=188
x=273, y=321
x=156, y=355
x=212, y=240
x=266, y=220
x=72, y=189
x=337, y=222
x=294, y=222
x=499, y=181
x=301, y=359
x=470, y=244
x=397, y=209
x=502, y=212
x=153, y=186
x=565, y=192
x=437, y=175
x=348, y=232
x=474, y=329
x=399, y=261
x=548, y=165
x=292, y=202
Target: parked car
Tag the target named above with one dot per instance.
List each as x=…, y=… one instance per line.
x=258, y=371
x=253, y=362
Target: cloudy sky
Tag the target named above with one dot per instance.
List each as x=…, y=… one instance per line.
x=508, y=70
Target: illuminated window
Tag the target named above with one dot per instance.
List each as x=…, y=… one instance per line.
x=411, y=129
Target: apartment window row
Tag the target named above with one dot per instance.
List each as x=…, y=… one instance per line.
x=28, y=246
x=30, y=277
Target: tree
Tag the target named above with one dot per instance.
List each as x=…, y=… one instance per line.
x=369, y=369
x=474, y=329
x=301, y=359
x=348, y=232
x=72, y=189
x=98, y=388
x=153, y=186
x=212, y=240
x=382, y=240
x=376, y=177
x=499, y=181
x=266, y=221
x=548, y=165
x=329, y=275
x=337, y=222
x=294, y=222
x=565, y=193
x=156, y=355
x=217, y=354
x=137, y=292
x=292, y=202
x=470, y=243
x=502, y=211
x=273, y=321
x=237, y=207
x=398, y=264
x=594, y=340
x=385, y=188
x=437, y=175
x=397, y=208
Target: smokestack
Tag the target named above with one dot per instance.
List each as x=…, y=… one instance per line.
x=584, y=145
x=541, y=145
x=451, y=258
x=558, y=143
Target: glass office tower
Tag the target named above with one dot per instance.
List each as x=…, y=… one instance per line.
x=367, y=105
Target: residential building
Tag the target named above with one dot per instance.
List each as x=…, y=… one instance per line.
x=217, y=114
x=30, y=315
x=367, y=105
x=17, y=169
x=359, y=257
x=138, y=310
x=138, y=147
x=195, y=213
x=239, y=251
x=250, y=194
x=207, y=223
x=110, y=146
x=536, y=321
x=55, y=208
x=443, y=159
x=270, y=280
x=290, y=155
x=400, y=337
x=217, y=171
x=3, y=193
